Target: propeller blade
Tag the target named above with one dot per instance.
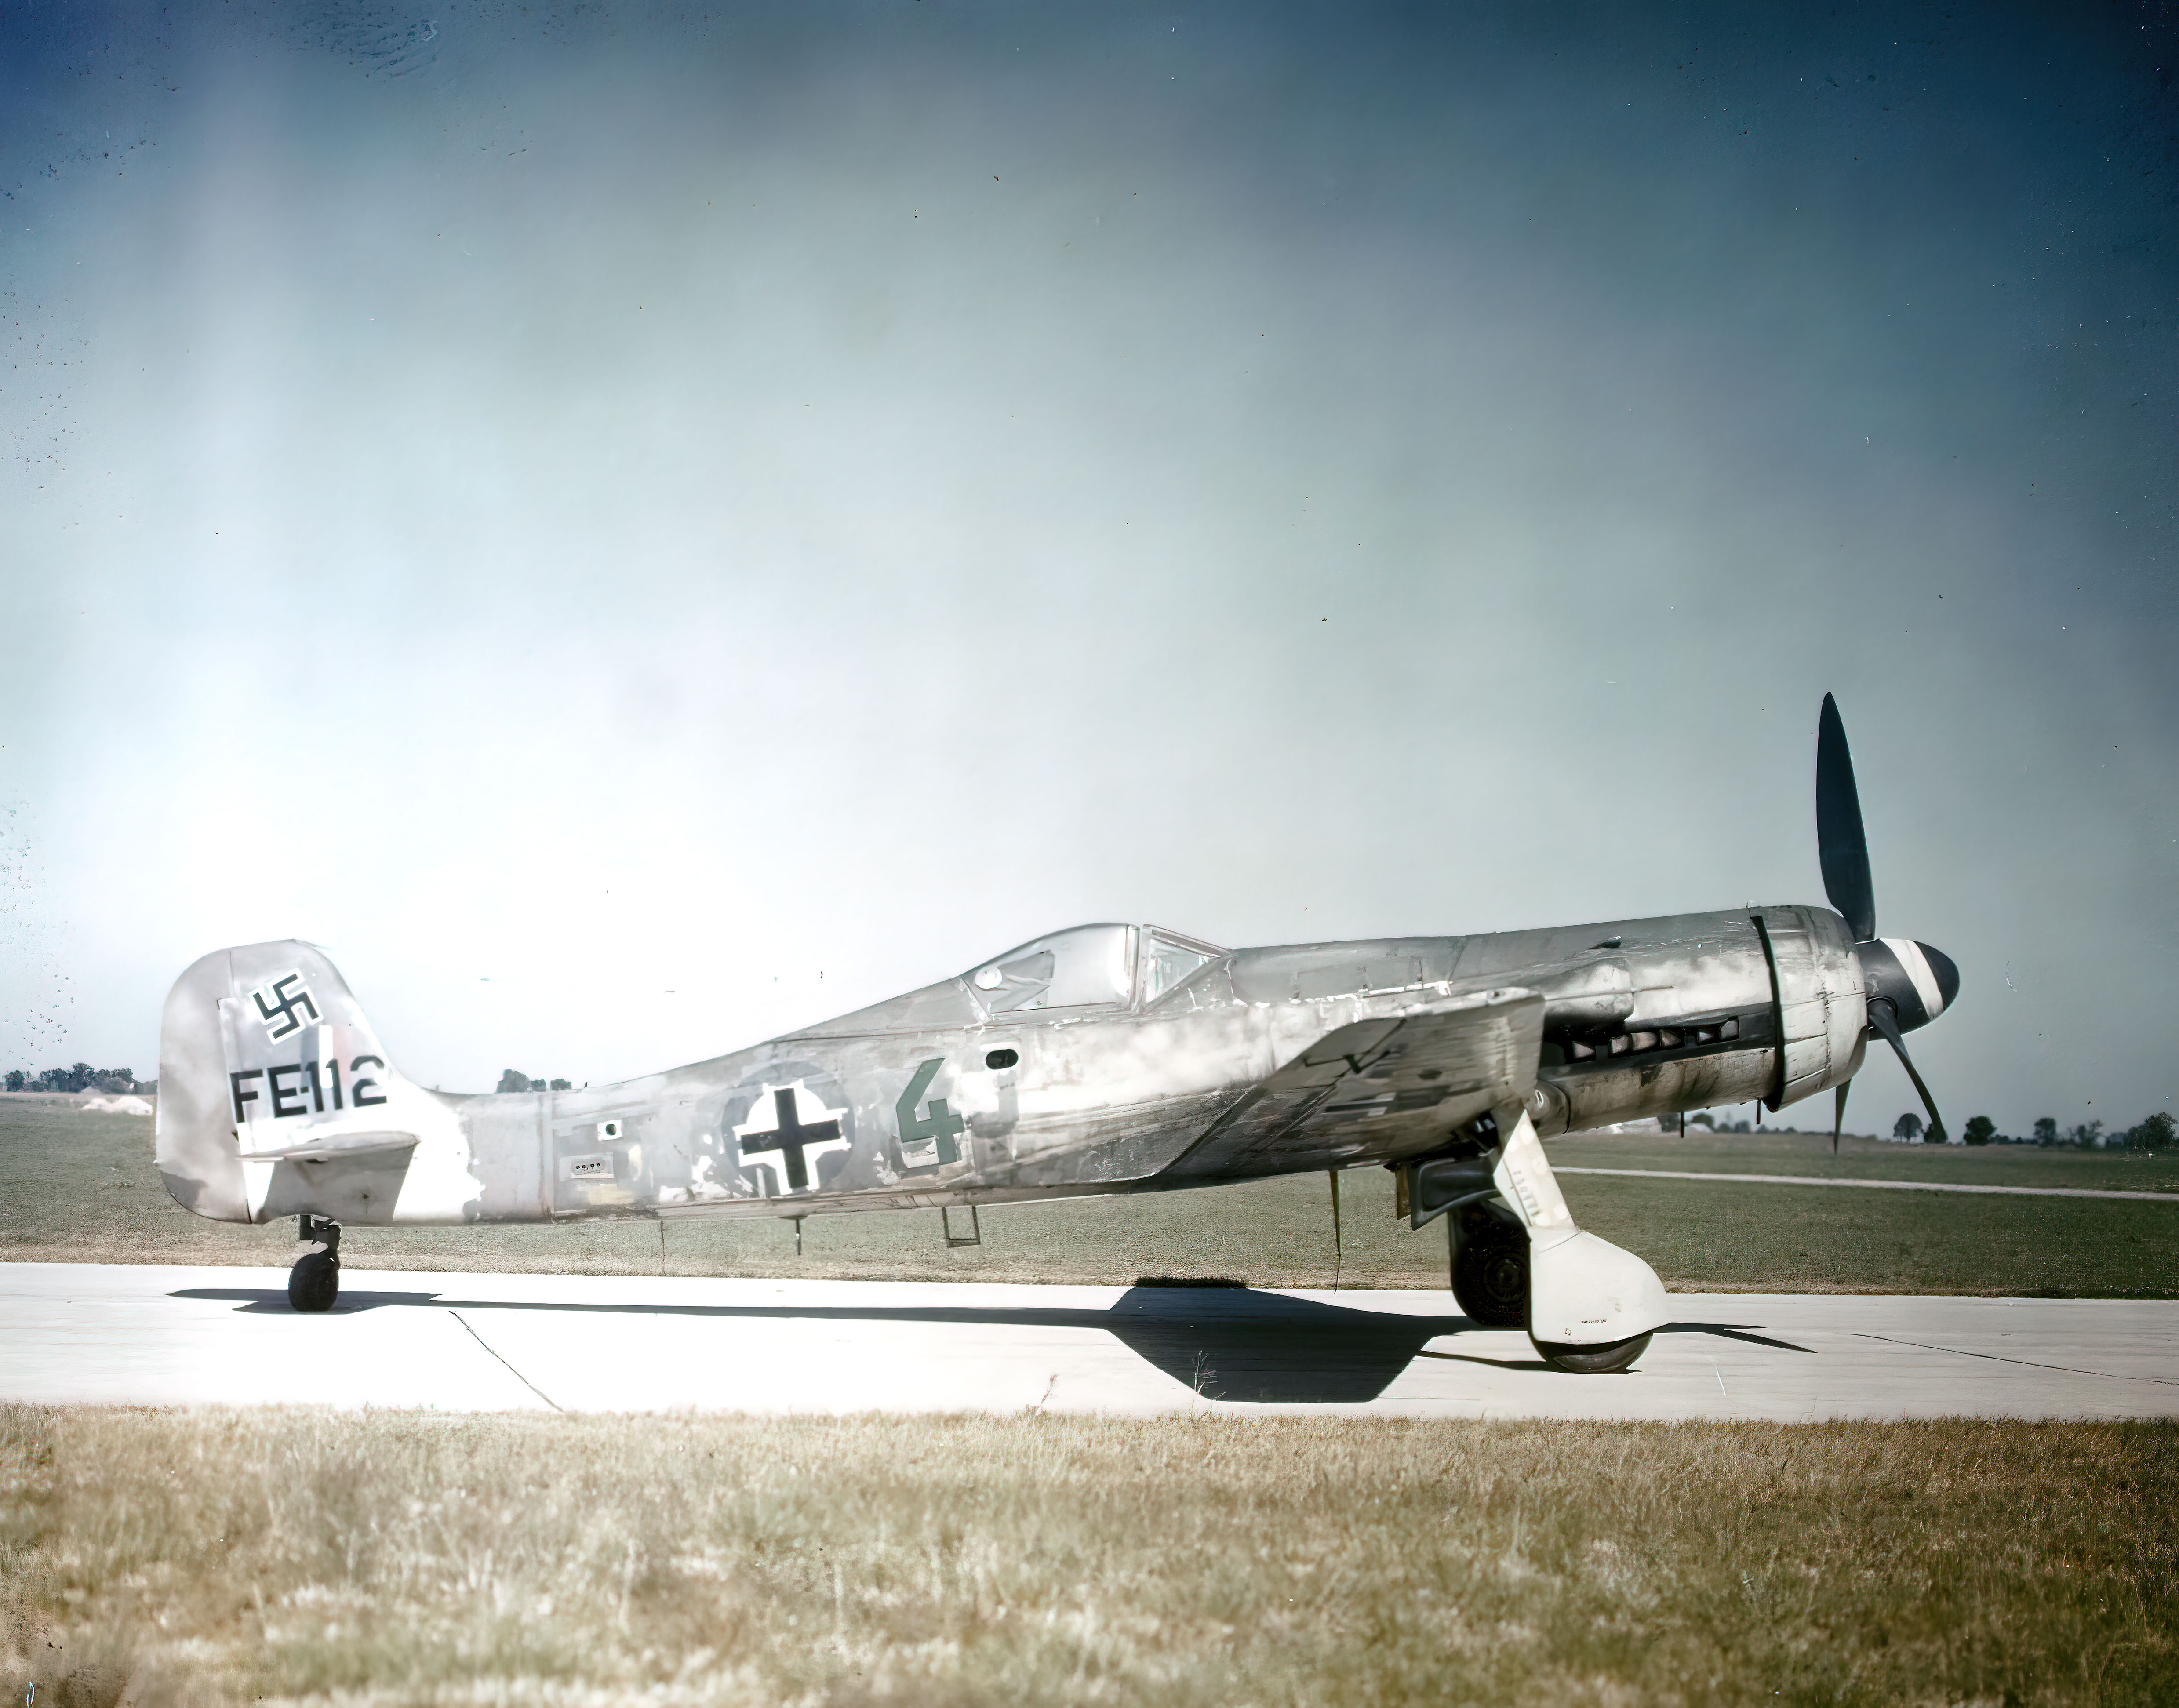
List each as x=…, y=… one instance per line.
x=1838, y=1112
x=1881, y=1017
x=1841, y=845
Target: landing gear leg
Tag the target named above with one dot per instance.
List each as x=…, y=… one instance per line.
x=1592, y=1307
x=314, y=1283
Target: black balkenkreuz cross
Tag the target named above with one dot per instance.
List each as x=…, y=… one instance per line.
x=790, y=1138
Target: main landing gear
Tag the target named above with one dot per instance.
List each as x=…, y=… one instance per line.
x=314, y=1283
x=1490, y=1284
x=1607, y=1359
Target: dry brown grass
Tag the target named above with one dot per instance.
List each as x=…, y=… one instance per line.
x=400, y=1558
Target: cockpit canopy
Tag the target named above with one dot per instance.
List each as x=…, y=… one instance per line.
x=1088, y=967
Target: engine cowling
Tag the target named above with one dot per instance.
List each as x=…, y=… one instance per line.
x=1822, y=1000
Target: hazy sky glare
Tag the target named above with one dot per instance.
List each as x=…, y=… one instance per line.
x=567, y=510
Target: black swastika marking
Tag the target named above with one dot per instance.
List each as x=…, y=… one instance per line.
x=791, y=1136
x=279, y=1014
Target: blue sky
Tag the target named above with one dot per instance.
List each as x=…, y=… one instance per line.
x=637, y=529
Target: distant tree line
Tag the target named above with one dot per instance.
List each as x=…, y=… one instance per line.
x=513, y=1080
x=81, y=1077
x=2156, y=1132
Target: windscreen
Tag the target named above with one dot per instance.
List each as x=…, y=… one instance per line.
x=1166, y=960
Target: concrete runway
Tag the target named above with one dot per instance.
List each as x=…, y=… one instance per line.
x=154, y=1335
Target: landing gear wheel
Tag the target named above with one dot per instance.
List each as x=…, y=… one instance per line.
x=1608, y=1358
x=314, y=1283
x=1491, y=1269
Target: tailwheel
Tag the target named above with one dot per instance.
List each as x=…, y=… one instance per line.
x=314, y=1283
x=1490, y=1267
x=1607, y=1359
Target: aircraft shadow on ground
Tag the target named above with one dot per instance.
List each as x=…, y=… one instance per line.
x=1226, y=1343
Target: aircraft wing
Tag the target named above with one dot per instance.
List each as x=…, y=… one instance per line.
x=1377, y=1088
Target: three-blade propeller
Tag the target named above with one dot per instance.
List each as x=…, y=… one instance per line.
x=1908, y=984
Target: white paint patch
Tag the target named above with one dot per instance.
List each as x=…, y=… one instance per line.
x=703, y=1184
x=1916, y=965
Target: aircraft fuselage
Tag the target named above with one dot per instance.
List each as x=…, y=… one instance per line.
x=1105, y=1059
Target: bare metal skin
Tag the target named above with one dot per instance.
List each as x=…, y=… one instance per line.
x=1217, y=1078
x=1102, y=1059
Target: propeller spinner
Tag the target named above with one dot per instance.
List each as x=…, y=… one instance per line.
x=1908, y=984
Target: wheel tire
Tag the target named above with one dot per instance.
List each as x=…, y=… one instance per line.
x=1608, y=1358
x=1490, y=1272
x=314, y=1283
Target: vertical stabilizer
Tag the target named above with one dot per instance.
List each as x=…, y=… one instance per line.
x=276, y=1097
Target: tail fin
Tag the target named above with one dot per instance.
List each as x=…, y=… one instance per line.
x=276, y=1097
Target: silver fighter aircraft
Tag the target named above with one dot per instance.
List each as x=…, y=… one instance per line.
x=1104, y=1059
